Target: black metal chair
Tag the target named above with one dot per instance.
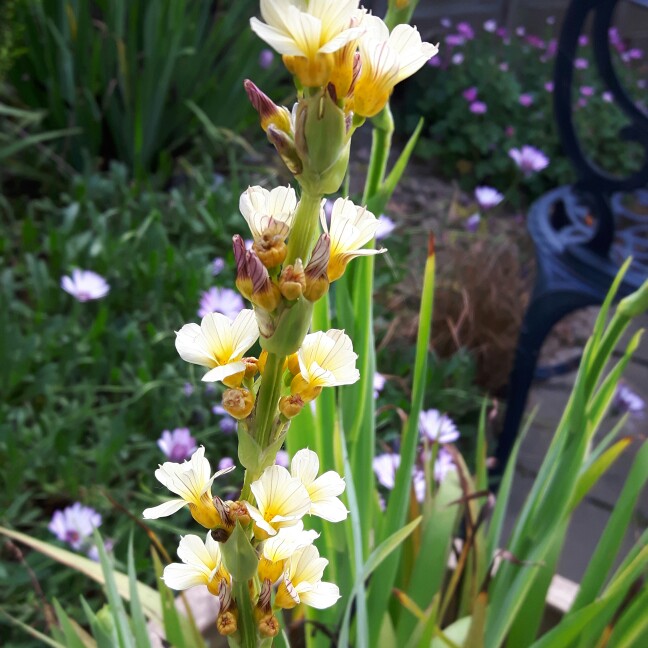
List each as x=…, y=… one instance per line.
x=577, y=230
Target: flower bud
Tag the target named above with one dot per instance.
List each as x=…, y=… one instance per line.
x=292, y=281
x=322, y=143
x=268, y=111
x=238, y=511
x=238, y=402
x=251, y=367
x=285, y=146
x=317, y=282
x=243, y=279
x=264, y=292
x=269, y=626
x=226, y=624
x=291, y=405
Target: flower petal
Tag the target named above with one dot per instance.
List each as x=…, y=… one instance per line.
x=182, y=577
x=163, y=510
x=219, y=373
x=305, y=466
x=321, y=595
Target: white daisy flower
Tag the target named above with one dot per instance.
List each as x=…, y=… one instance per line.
x=85, y=285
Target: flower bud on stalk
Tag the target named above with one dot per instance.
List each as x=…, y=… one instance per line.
x=285, y=146
x=243, y=279
x=227, y=623
x=317, y=282
x=238, y=402
x=292, y=281
x=290, y=406
x=322, y=143
x=269, y=112
x=251, y=367
x=271, y=247
x=264, y=292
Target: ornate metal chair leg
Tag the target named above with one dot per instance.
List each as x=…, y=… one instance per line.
x=544, y=312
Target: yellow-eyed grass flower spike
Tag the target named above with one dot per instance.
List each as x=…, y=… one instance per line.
x=307, y=34
x=190, y=480
x=351, y=228
x=219, y=343
x=325, y=360
x=322, y=490
x=281, y=501
x=387, y=59
x=202, y=564
x=302, y=581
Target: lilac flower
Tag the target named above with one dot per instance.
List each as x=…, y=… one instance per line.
x=187, y=389
x=529, y=159
x=220, y=300
x=608, y=97
x=225, y=463
x=466, y=30
x=385, y=466
x=587, y=91
x=217, y=266
x=525, y=99
x=626, y=400
x=454, y=40
x=520, y=31
x=632, y=54
x=535, y=41
x=616, y=40
x=227, y=424
x=75, y=525
x=418, y=482
x=470, y=94
x=266, y=57
x=504, y=66
x=583, y=40
x=502, y=32
x=437, y=427
x=378, y=384
x=93, y=552
x=446, y=22
x=443, y=465
x=552, y=48
x=549, y=86
x=85, y=285
x=472, y=223
x=490, y=26
x=385, y=227
x=435, y=61
x=282, y=459
x=581, y=64
x=488, y=197
x=478, y=108
x=551, y=20
x=581, y=103
x=178, y=445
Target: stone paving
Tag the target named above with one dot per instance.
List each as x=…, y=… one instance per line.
x=591, y=517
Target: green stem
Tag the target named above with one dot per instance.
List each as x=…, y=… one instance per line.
x=304, y=228
x=269, y=393
x=383, y=130
x=246, y=622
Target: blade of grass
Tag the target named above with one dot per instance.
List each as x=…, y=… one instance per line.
x=138, y=620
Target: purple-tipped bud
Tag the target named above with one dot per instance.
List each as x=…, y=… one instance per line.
x=317, y=282
x=268, y=110
x=243, y=279
x=286, y=148
x=264, y=293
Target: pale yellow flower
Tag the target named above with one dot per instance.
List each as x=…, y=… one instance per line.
x=202, y=564
x=192, y=481
x=302, y=581
x=386, y=59
x=281, y=501
x=220, y=344
x=326, y=359
x=277, y=549
x=323, y=490
x=258, y=206
x=351, y=228
x=307, y=33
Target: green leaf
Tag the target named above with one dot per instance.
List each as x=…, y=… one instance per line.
x=138, y=620
x=73, y=639
x=239, y=556
x=171, y=617
x=103, y=633
x=31, y=631
x=149, y=597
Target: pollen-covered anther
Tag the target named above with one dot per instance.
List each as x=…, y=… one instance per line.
x=291, y=405
x=292, y=281
x=227, y=624
x=238, y=402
